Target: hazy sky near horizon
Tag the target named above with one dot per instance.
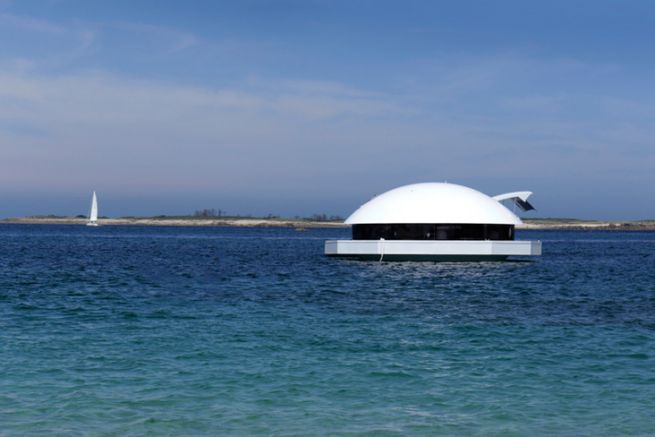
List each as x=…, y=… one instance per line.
x=301, y=107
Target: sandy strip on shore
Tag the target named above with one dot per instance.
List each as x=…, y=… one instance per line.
x=245, y=222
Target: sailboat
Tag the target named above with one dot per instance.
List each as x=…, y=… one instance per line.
x=93, y=214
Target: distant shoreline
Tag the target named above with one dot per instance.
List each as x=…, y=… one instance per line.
x=175, y=221
x=588, y=225
x=535, y=224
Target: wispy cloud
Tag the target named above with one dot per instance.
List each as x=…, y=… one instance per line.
x=161, y=130
x=171, y=39
x=265, y=135
x=31, y=24
x=32, y=43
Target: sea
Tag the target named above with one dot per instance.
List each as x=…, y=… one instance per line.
x=252, y=331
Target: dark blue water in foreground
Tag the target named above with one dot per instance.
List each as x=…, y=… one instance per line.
x=132, y=330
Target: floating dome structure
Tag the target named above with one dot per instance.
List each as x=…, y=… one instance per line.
x=435, y=221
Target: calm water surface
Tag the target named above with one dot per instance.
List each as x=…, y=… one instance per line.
x=131, y=330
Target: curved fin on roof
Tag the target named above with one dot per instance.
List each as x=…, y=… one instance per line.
x=520, y=199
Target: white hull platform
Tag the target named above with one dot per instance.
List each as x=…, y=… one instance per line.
x=432, y=250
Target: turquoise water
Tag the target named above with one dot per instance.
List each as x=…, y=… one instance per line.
x=129, y=330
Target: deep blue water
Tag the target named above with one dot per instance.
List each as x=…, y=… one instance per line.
x=134, y=330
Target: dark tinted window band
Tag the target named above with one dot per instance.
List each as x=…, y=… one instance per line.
x=433, y=232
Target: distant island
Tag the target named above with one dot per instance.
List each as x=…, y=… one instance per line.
x=316, y=221
x=578, y=224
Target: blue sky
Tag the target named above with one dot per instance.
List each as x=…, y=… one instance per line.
x=301, y=107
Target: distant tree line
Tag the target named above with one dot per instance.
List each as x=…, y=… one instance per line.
x=325, y=218
x=209, y=213
x=218, y=213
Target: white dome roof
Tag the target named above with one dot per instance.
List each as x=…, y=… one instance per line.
x=433, y=203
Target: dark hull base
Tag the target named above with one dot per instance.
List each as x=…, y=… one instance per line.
x=431, y=258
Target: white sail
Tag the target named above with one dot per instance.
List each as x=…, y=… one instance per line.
x=93, y=214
